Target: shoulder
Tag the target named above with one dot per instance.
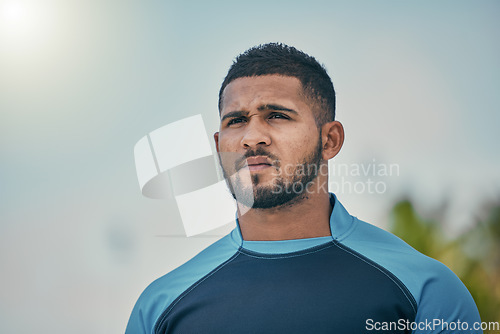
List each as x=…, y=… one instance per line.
x=438, y=292
x=162, y=292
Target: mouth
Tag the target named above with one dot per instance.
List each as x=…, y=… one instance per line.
x=258, y=163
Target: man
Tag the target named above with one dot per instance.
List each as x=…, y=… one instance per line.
x=297, y=262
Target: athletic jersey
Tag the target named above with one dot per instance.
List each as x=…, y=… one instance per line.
x=361, y=279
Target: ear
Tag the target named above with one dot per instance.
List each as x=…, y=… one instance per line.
x=216, y=138
x=332, y=135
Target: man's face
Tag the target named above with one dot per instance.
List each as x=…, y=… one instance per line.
x=268, y=143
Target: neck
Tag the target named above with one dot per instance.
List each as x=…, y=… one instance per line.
x=307, y=217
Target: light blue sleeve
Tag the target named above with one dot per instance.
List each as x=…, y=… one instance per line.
x=444, y=305
x=158, y=296
x=140, y=319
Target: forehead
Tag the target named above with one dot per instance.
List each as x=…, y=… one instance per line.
x=250, y=92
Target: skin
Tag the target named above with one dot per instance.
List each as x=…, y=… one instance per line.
x=271, y=112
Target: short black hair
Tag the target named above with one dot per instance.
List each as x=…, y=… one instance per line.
x=281, y=59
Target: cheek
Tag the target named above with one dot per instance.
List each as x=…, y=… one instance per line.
x=292, y=155
x=226, y=143
x=302, y=140
x=229, y=155
x=296, y=148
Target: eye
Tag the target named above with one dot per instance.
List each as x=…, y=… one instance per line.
x=277, y=115
x=234, y=121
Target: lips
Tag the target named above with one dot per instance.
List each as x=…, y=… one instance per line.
x=258, y=160
x=257, y=163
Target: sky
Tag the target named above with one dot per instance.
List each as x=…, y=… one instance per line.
x=81, y=82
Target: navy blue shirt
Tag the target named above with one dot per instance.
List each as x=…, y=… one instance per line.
x=361, y=279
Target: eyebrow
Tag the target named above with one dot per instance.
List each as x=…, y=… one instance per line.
x=233, y=114
x=274, y=107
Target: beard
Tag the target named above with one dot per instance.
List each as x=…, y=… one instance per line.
x=284, y=190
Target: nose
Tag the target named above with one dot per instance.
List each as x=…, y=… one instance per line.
x=255, y=134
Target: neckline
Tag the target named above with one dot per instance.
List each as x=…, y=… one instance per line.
x=341, y=224
x=284, y=246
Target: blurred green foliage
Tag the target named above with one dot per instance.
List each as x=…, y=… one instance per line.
x=474, y=256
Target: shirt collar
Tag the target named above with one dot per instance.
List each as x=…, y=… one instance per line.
x=341, y=224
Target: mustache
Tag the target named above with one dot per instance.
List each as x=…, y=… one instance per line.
x=240, y=163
